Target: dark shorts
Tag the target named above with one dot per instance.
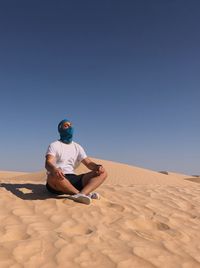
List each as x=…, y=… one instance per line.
x=75, y=180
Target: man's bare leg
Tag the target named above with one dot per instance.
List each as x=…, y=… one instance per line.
x=61, y=185
x=91, y=181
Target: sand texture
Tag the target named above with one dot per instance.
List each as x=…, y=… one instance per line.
x=144, y=219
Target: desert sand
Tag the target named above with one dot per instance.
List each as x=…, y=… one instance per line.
x=143, y=219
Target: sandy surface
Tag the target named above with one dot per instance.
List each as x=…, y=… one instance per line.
x=144, y=219
x=10, y=174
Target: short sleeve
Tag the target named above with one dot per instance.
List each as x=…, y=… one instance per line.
x=51, y=150
x=82, y=154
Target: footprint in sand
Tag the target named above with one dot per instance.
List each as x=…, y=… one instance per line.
x=14, y=234
x=115, y=206
x=66, y=236
x=144, y=235
x=144, y=226
x=162, y=226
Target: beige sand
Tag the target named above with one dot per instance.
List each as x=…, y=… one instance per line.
x=144, y=219
x=10, y=174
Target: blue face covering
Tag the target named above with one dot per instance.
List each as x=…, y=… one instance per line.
x=66, y=134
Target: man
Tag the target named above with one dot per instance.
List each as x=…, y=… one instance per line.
x=62, y=157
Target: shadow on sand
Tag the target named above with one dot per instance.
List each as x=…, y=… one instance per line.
x=30, y=191
x=197, y=180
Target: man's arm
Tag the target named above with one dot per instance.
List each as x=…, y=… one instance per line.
x=50, y=166
x=93, y=166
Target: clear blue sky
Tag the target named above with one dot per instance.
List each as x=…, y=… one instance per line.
x=127, y=73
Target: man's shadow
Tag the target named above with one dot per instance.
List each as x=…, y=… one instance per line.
x=30, y=191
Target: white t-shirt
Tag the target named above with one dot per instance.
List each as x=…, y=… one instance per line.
x=68, y=156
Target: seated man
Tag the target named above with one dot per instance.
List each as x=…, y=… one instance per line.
x=62, y=157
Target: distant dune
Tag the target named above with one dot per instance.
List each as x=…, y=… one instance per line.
x=143, y=219
x=10, y=174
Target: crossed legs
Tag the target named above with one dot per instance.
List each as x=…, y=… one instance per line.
x=90, y=182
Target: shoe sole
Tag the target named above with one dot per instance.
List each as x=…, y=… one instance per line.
x=82, y=199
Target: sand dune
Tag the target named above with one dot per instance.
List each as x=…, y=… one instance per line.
x=144, y=219
x=10, y=174
x=118, y=174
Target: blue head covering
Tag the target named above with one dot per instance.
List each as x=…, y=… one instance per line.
x=66, y=134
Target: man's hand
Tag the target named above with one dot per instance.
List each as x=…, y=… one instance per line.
x=100, y=169
x=58, y=174
x=50, y=166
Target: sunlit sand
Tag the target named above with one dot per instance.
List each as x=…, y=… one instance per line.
x=143, y=219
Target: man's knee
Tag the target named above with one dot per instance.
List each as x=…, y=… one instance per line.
x=104, y=175
x=50, y=177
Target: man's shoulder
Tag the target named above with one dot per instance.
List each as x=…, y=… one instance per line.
x=76, y=144
x=55, y=143
x=53, y=148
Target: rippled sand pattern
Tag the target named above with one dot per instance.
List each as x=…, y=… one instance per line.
x=131, y=226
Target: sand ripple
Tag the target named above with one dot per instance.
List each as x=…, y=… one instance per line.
x=131, y=226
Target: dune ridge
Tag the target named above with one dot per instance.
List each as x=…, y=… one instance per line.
x=10, y=174
x=144, y=219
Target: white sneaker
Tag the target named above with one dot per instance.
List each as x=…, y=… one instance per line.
x=81, y=198
x=94, y=195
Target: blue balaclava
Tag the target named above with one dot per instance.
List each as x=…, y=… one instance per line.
x=66, y=133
